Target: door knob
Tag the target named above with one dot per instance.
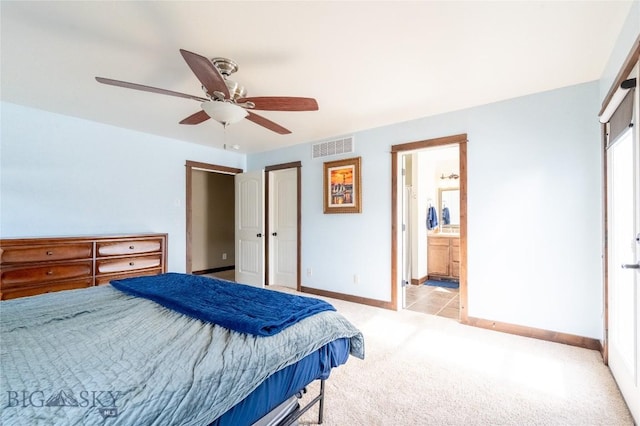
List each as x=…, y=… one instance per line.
x=275, y=234
x=259, y=235
x=631, y=266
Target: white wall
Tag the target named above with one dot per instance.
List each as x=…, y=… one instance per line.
x=65, y=176
x=534, y=207
x=621, y=49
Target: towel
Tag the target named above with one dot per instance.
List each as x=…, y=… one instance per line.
x=432, y=218
x=446, y=218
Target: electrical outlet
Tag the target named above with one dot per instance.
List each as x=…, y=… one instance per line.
x=224, y=256
x=356, y=279
x=309, y=272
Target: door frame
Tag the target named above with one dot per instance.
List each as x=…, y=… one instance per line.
x=292, y=165
x=461, y=141
x=190, y=166
x=632, y=59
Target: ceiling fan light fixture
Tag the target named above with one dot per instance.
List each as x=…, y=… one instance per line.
x=224, y=112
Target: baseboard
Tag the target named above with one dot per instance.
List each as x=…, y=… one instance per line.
x=213, y=270
x=348, y=298
x=536, y=333
x=419, y=281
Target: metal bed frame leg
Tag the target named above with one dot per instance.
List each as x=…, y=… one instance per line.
x=291, y=418
x=321, y=406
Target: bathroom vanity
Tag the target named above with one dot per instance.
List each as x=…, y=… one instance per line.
x=443, y=256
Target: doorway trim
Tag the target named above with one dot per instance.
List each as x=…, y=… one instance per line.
x=461, y=141
x=292, y=165
x=190, y=166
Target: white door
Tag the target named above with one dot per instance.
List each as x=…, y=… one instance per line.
x=249, y=232
x=283, y=226
x=623, y=164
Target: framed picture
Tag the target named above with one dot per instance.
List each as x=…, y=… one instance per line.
x=342, y=190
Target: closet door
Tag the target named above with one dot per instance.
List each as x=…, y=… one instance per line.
x=623, y=233
x=283, y=227
x=249, y=231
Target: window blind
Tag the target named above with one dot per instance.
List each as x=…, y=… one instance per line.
x=622, y=117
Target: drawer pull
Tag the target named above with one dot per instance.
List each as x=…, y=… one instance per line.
x=49, y=272
x=131, y=247
x=49, y=253
x=131, y=263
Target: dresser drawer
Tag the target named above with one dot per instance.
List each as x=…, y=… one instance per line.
x=45, y=253
x=23, y=291
x=108, y=266
x=11, y=277
x=106, y=279
x=120, y=248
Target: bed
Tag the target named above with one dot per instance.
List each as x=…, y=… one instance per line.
x=107, y=356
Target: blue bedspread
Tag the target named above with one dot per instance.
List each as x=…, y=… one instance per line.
x=237, y=307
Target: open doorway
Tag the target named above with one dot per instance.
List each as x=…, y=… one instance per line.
x=210, y=213
x=431, y=240
x=429, y=227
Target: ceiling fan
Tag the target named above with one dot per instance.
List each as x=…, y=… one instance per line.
x=225, y=100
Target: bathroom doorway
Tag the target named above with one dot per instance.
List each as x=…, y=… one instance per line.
x=429, y=226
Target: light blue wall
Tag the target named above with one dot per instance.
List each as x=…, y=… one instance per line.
x=534, y=210
x=65, y=176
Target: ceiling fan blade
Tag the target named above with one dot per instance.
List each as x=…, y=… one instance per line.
x=144, y=88
x=282, y=103
x=208, y=75
x=196, y=118
x=261, y=121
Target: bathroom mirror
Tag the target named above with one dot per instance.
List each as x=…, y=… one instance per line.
x=449, y=209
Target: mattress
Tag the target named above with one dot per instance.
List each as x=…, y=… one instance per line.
x=285, y=383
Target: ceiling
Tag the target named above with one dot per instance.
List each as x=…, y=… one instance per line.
x=368, y=63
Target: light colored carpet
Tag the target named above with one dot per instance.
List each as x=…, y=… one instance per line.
x=427, y=370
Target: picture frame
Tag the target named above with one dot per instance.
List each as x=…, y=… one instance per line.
x=342, y=189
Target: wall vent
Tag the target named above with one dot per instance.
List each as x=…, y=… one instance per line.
x=334, y=147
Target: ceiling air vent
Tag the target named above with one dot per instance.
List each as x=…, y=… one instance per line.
x=334, y=147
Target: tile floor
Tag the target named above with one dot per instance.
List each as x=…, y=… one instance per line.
x=440, y=301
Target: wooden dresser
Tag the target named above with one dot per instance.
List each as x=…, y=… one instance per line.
x=443, y=257
x=30, y=266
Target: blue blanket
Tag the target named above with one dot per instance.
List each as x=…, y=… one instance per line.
x=237, y=307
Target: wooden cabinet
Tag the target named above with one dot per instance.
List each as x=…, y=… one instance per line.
x=454, y=252
x=30, y=266
x=443, y=257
